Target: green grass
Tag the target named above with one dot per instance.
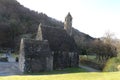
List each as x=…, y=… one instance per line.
x=64, y=71
x=69, y=76
x=112, y=64
x=13, y=55
x=86, y=57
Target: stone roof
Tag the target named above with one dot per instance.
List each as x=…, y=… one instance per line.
x=58, y=39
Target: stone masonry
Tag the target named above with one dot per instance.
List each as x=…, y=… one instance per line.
x=35, y=56
x=52, y=48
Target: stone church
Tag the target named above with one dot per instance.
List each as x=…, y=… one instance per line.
x=53, y=48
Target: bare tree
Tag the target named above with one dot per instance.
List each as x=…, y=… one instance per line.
x=105, y=48
x=108, y=38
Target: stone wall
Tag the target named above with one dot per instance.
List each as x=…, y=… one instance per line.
x=74, y=59
x=35, y=56
x=22, y=56
x=65, y=60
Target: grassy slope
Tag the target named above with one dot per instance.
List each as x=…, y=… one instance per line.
x=70, y=76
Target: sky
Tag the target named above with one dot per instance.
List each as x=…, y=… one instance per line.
x=93, y=17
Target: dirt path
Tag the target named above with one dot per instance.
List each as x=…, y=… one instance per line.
x=89, y=68
x=9, y=68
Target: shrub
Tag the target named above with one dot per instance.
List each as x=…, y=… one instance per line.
x=4, y=59
x=112, y=64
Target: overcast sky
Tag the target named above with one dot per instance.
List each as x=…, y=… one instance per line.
x=94, y=17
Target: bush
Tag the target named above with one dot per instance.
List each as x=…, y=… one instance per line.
x=4, y=59
x=112, y=65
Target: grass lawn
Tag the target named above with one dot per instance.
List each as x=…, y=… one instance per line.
x=69, y=76
x=66, y=74
x=64, y=71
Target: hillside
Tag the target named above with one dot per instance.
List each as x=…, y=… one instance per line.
x=17, y=21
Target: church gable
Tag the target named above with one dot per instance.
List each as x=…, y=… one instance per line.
x=37, y=56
